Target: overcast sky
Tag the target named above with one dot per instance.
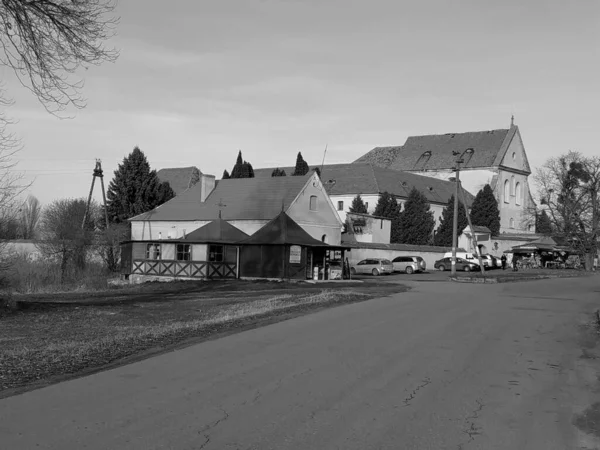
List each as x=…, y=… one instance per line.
x=196, y=81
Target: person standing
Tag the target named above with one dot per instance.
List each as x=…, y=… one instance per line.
x=503, y=261
x=515, y=261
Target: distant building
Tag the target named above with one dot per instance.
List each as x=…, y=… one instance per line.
x=496, y=157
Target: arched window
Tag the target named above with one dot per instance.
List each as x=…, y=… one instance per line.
x=313, y=203
x=512, y=185
x=518, y=193
x=506, y=191
x=324, y=238
x=512, y=222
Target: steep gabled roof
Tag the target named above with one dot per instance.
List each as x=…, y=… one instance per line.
x=180, y=178
x=218, y=231
x=240, y=199
x=365, y=178
x=282, y=230
x=435, y=152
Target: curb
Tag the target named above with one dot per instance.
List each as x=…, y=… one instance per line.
x=494, y=280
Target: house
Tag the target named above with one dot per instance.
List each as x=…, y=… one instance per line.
x=496, y=157
x=344, y=181
x=246, y=203
x=182, y=178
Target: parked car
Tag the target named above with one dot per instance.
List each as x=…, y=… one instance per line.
x=471, y=257
x=461, y=264
x=409, y=264
x=374, y=266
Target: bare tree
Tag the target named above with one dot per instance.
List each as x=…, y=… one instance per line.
x=63, y=236
x=47, y=41
x=29, y=217
x=569, y=187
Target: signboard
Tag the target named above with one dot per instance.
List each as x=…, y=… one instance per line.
x=295, y=254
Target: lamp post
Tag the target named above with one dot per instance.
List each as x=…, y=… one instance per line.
x=459, y=160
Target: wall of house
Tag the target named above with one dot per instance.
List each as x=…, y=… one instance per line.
x=324, y=221
x=248, y=226
x=146, y=230
x=371, y=229
x=515, y=216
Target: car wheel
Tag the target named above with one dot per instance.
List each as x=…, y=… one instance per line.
x=375, y=272
x=352, y=271
x=467, y=269
x=409, y=270
x=442, y=268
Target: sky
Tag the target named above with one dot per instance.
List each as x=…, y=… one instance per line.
x=197, y=81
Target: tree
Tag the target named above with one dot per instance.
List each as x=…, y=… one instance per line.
x=301, y=168
x=225, y=175
x=543, y=225
x=29, y=217
x=242, y=168
x=358, y=206
x=443, y=235
x=46, y=42
x=278, y=172
x=416, y=221
x=569, y=186
x=388, y=207
x=64, y=237
x=135, y=188
x=484, y=211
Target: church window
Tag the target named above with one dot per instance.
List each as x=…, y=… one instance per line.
x=512, y=185
x=514, y=156
x=313, y=203
x=512, y=222
x=518, y=193
x=506, y=191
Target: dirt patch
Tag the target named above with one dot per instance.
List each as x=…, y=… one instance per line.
x=50, y=341
x=589, y=420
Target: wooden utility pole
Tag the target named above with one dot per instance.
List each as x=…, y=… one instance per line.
x=97, y=173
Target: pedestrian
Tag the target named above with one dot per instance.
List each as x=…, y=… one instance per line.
x=515, y=260
x=503, y=261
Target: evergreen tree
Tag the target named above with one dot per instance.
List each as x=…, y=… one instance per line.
x=278, y=173
x=443, y=236
x=543, y=225
x=225, y=175
x=358, y=206
x=135, y=188
x=416, y=222
x=388, y=207
x=242, y=168
x=301, y=166
x=484, y=211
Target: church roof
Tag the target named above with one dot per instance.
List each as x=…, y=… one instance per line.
x=282, y=230
x=218, y=231
x=366, y=178
x=234, y=199
x=435, y=152
x=180, y=178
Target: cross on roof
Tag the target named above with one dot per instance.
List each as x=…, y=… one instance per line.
x=221, y=205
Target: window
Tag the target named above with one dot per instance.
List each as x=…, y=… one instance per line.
x=367, y=205
x=340, y=206
x=215, y=253
x=514, y=156
x=324, y=238
x=518, y=193
x=153, y=251
x=512, y=222
x=313, y=203
x=512, y=185
x=530, y=227
x=184, y=252
x=506, y=191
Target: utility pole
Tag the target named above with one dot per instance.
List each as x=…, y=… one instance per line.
x=459, y=160
x=464, y=200
x=100, y=174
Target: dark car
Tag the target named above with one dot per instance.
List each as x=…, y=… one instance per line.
x=461, y=264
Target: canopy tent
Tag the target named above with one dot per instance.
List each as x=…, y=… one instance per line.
x=543, y=244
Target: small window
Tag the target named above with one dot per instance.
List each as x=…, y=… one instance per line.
x=153, y=251
x=215, y=253
x=518, y=193
x=512, y=222
x=512, y=185
x=530, y=227
x=514, y=156
x=340, y=206
x=506, y=191
x=184, y=252
x=313, y=203
x=324, y=238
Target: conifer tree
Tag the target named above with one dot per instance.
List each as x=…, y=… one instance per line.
x=358, y=206
x=278, y=172
x=242, y=168
x=416, y=221
x=484, y=211
x=135, y=188
x=225, y=175
x=543, y=225
x=388, y=207
x=443, y=236
x=301, y=168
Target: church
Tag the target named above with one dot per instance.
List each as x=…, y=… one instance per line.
x=496, y=157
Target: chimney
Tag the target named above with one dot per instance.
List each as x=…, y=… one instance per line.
x=184, y=233
x=207, y=185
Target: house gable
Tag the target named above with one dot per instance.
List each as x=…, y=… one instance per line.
x=514, y=156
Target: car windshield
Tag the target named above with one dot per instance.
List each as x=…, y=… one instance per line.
x=386, y=261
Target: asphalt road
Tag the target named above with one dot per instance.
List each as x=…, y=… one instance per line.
x=445, y=366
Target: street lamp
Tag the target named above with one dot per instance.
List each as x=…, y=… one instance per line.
x=459, y=160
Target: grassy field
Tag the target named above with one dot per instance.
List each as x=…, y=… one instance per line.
x=53, y=337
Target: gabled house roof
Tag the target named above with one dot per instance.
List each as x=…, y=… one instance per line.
x=232, y=199
x=180, y=178
x=435, y=152
x=282, y=230
x=218, y=232
x=366, y=178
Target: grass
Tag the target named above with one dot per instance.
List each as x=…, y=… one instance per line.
x=52, y=340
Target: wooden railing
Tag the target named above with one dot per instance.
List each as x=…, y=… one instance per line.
x=187, y=269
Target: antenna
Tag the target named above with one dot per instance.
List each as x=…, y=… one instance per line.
x=99, y=174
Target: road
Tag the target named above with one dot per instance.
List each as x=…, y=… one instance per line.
x=445, y=366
